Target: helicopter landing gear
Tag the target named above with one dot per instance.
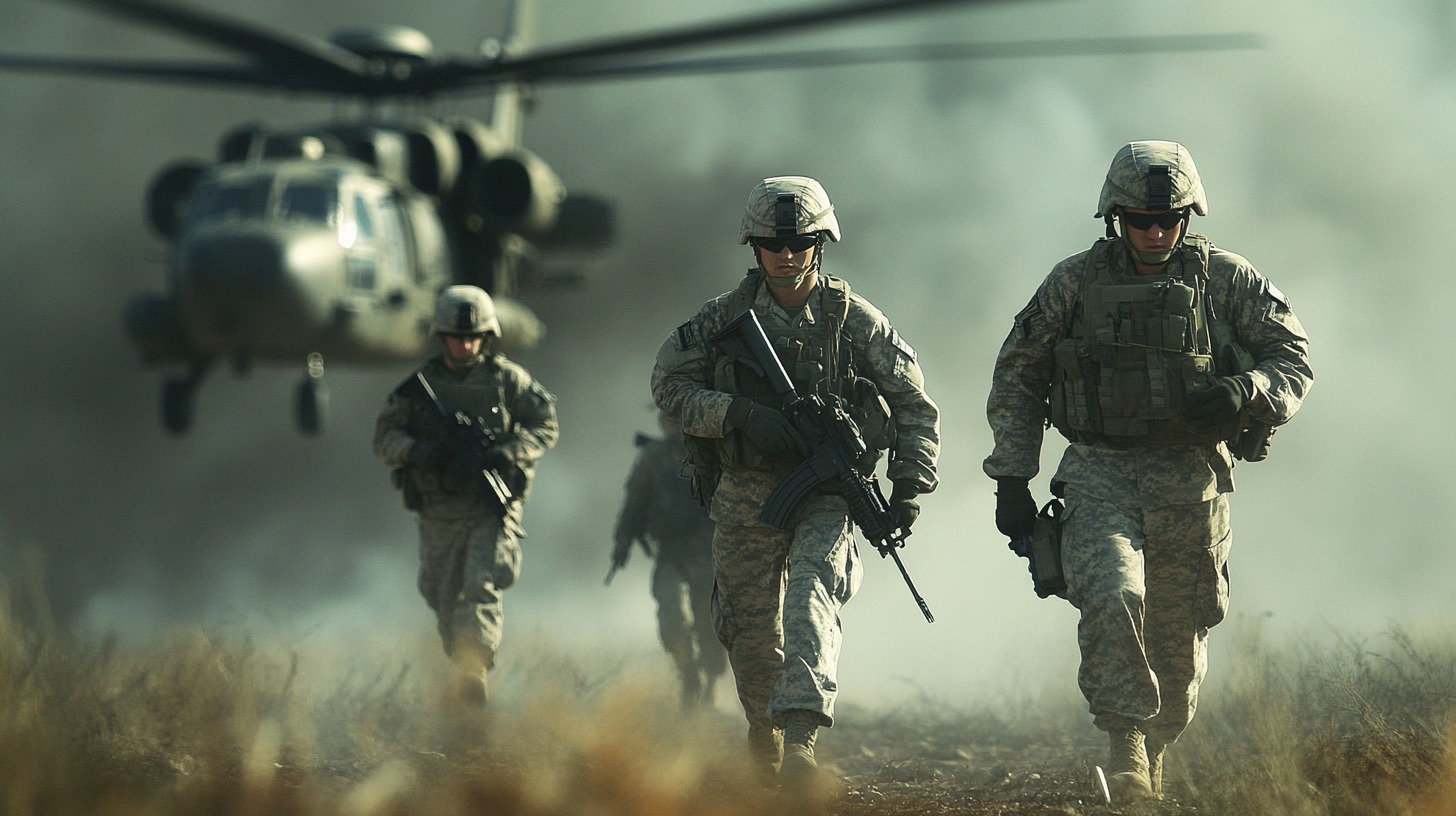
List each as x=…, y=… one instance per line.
x=312, y=398
x=179, y=398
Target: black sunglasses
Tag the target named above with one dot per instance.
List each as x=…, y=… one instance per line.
x=1166, y=220
x=795, y=243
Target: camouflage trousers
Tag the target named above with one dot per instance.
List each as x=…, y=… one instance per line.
x=466, y=564
x=776, y=608
x=684, y=595
x=1149, y=584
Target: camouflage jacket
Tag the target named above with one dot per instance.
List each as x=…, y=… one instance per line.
x=681, y=384
x=1264, y=325
x=522, y=413
x=659, y=506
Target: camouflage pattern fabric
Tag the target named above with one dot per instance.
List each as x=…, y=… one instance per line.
x=469, y=556
x=659, y=508
x=1146, y=530
x=1149, y=583
x=779, y=591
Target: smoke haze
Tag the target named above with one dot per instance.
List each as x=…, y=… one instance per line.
x=1328, y=161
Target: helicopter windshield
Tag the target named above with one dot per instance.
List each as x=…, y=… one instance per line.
x=308, y=200
x=232, y=201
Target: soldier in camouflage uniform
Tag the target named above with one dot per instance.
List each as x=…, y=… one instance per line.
x=779, y=591
x=470, y=549
x=661, y=515
x=1161, y=358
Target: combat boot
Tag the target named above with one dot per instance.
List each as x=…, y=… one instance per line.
x=799, y=769
x=765, y=749
x=1127, y=767
x=471, y=676
x=1155, y=751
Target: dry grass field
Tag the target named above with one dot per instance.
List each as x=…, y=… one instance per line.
x=196, y=723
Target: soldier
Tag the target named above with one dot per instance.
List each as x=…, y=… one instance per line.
x=467, y=482
x=779, y=591
x=661, y=515
x=1161, y=358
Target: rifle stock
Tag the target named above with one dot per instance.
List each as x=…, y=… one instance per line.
x=832, y=445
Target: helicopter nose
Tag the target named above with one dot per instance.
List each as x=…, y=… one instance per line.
x=245, y=289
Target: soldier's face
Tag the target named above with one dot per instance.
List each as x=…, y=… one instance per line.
x=462, y=349
x=1158, y=233
x=785, y=264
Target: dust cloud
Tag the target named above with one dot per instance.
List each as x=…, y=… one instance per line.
x=1328, y=160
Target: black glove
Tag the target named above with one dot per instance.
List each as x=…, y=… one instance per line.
x=903, y=506
x=428, y=454
x=1219, y=403
x=496, y=459
x=1015, y=508
x=766, y=428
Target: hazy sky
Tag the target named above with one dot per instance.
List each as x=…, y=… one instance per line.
x=1328, y=161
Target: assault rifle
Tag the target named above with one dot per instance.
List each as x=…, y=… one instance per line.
x=832, y=444
x=470, y=437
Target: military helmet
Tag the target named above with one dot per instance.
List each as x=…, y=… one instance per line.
x=465, y=310
x=788, y=205
x=1152, y=175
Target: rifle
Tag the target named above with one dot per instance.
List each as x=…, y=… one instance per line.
x=832, y=444
x=471, y=437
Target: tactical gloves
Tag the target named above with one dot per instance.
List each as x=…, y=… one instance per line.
x=1015, y=508
x=769, y=430
x=1219, y=403
x=428, y=454
x=903, y=505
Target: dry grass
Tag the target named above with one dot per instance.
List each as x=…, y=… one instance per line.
x=194, y=723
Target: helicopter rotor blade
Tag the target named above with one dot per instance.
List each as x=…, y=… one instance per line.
x=923, y=52
x=582, y=56
x=180, y=72
x=313, y=62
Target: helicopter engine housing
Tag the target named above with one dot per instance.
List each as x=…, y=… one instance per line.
x=516, y=192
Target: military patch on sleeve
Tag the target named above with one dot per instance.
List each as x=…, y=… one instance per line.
x=685, y=336
x=1028, y=315
x=900, y=343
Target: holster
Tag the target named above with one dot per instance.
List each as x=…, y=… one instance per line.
x=1046, y=552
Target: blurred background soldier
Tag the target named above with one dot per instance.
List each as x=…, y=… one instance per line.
x=463, y=435
x=1161, y=358
x=779, y=591
x=660, y=513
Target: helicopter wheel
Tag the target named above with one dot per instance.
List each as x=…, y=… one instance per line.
x=178, y=402
x=312, y=398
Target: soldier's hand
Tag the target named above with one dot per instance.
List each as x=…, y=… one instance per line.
x=428, y=454
x=1219, y=403
x=903, y=505
x=1015, y=508
x=769, y=430
x=496, y=459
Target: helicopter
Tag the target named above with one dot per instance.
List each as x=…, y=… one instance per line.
x=331, y=241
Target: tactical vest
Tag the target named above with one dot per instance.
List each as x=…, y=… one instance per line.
x=817, y=360
x=1138, y=344
x=479, y=396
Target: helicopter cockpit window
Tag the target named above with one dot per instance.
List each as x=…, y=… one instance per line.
x=309, y=202
x=231, y=202
x=361, y=261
